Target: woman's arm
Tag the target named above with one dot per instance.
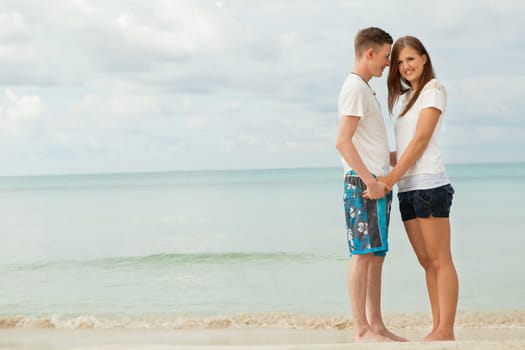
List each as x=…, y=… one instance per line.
x=428, y=119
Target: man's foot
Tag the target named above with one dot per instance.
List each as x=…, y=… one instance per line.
x=382, y=330
x=371, y=337
x=440, y=336
x=385, y=332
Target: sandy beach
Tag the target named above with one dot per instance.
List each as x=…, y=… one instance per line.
x=117, y=339
x=475, y=330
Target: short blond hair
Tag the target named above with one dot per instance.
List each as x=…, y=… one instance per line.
x=370, y=37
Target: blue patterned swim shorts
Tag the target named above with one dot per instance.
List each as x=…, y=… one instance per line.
x=366, y=220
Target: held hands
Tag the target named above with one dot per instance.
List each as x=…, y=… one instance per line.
x=385, y=180
x=375, y=190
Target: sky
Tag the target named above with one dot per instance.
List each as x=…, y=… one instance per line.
x=168, y=85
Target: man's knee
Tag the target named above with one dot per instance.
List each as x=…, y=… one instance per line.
x=365, y=258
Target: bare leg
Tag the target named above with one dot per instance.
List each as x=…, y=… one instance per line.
x=374, y=299
x=357, y=286
x=436, y=235
x=418, y=244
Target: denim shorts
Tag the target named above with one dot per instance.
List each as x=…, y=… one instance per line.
x=435, y=202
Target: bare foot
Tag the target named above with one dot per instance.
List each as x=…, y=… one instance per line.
x=382, y=330
x=371, y=337
x=385, y=332
x=429, y=335
x=440, y=336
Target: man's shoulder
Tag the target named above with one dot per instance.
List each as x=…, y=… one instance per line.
x=353, y=85
x=353, y=79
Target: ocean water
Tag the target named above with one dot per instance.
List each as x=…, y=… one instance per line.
x=152, y=249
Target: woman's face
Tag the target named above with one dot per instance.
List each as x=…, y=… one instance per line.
x=411, y=65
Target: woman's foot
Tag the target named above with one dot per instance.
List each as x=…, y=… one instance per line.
x=440, y=336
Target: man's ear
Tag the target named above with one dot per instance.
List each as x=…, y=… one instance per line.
x=369, y=53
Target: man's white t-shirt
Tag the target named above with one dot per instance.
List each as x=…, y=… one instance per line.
x=370, y=139
x=429, y=170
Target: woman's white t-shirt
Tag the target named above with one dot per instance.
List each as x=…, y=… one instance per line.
x=429, y=170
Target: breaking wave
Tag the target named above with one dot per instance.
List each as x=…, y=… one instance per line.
x=467, y=319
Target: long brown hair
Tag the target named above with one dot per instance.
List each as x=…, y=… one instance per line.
x=397, y=85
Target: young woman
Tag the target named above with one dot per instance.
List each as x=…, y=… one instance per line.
x=424, y=190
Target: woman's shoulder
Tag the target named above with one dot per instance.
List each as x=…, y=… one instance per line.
x=434, y=85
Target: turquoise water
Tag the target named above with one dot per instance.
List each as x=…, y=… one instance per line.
x=194, y=244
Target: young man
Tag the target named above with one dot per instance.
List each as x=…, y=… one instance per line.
x=363, y=144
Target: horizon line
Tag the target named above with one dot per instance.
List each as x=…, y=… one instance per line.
x=224, y=170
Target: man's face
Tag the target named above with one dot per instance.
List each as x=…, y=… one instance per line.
x=380, y=60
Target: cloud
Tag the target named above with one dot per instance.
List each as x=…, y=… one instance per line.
x=138, y=86
x=81, y=40
x=13, y=27
x=16, y=112
x=15, y=47
x=172, y=31
x=117, y=105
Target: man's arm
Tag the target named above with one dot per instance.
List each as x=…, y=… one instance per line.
x=346, y=148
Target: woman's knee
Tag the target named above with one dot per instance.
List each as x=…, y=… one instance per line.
x=439, y=262
x=425, y=261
